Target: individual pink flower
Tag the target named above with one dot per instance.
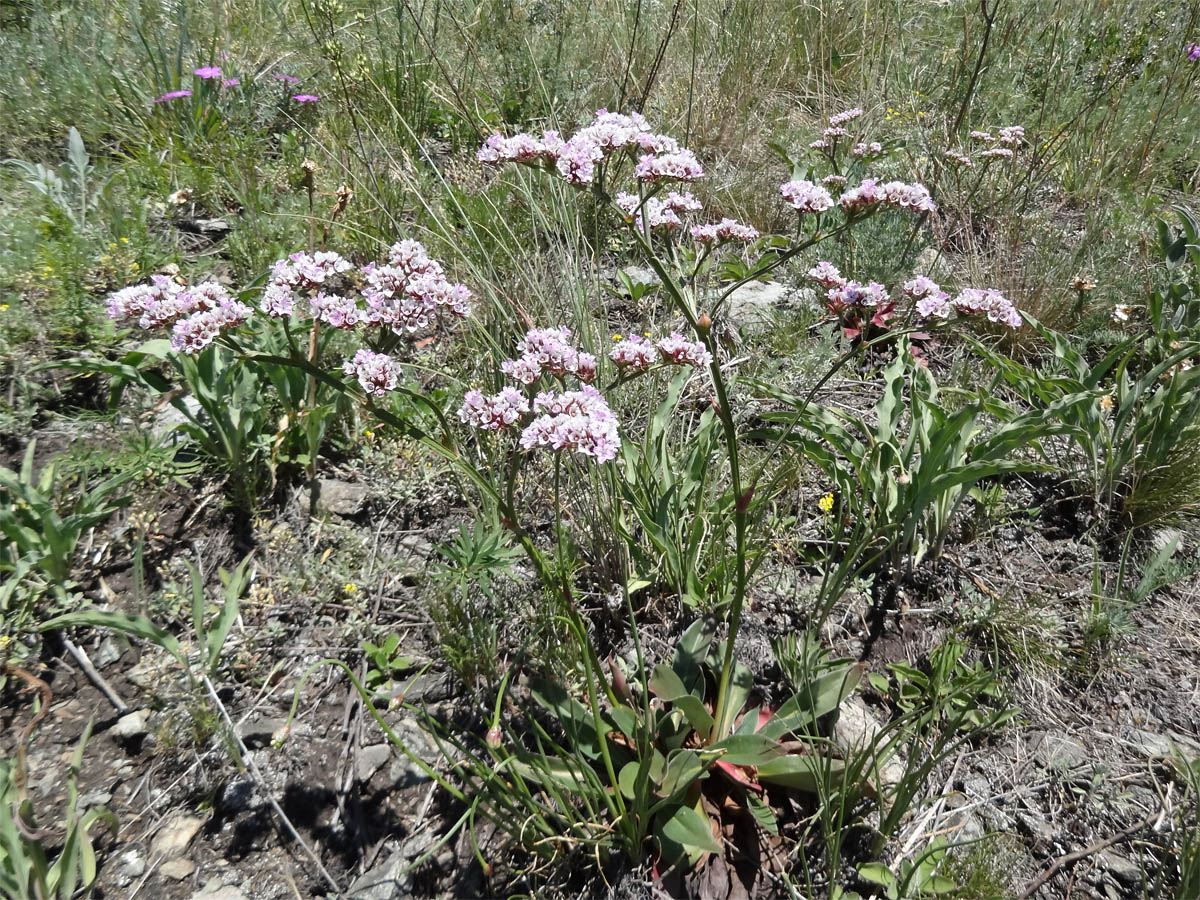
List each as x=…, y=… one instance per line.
x=172, y=95
x=678, y=350
x=498, y=412
x=806, y=196
x=377, y=373
x=231, y=82
x=1193, y=52
x=207, y=72
x=305, y=98
x=286, y=79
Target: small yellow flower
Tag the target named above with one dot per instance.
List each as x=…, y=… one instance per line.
x=3, y=307
x=616, y=337
x=825, y=504
x=350, y=588
x=124, y=240
x=369, y=433
x=646, y=333
x=5, y=640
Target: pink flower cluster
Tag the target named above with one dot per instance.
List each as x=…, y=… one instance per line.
x=579, y=421
x=498, y=412
x=725, y=230
x=639, y=354
x=197, y=314
x=659, y=214
x=843, y=117
x=997, y=308
x=854, y=293
x=913, y=197
x=549, y=351
x=378, y=373
x=826, y=274
x=196, y=331
x=677, y=349
x=932, y=301
x=806, y=196
x=408, y=291
x=861, y=149
x=575, y=159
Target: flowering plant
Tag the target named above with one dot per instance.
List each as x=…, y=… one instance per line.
x=640, y=759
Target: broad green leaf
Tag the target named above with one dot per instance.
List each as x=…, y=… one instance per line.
x=802, y=773
x=139, y=626
x=690, y=830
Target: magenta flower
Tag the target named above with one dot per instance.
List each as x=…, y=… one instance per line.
x=286, y=79
x=207, y=72
x=1193, y=52
x=231, y=82
x=305, y=98
x=172, y=95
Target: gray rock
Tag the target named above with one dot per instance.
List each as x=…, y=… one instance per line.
x=403, y=772
x=341, y=498
x=216, y=891
x=387, y=881
x=429, y=687
x=640, y=275
x=932, y=264
x=261, y=732
x=170, y=417
x=175, y=836
x=151, y=670
x=131, y=864
x=177, y=869
x=856, y=731
x=108, y=652
x=1054, y=751
x=753, y=307
x=1125, y=871
x=1150, y=745
x=132, y=725
x=237, y=795
x=95, y=798
x=370, y=760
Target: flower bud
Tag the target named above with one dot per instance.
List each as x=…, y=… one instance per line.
x=493, y=738
x=704, y=322
x=280, y=736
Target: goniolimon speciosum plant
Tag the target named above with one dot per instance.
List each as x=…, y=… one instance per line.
x=626, y=762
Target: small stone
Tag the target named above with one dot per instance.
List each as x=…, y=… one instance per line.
x=132, y=725
x=177, y=869
x=753, y=306
x=237, y=795
x=1125, y=871
x=404, y=772
x=260, y=733
x=1054, y=751
x=640, y=275
x=151, y=670
x=94, y=798
x=387, y=881
x=131, y=864
x=215, y=891
x=1151, y=745
x=175, y=836
x=107, y=653
x=370, y=760
x=341, y=498
x=429, y=687
x=856, y=731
